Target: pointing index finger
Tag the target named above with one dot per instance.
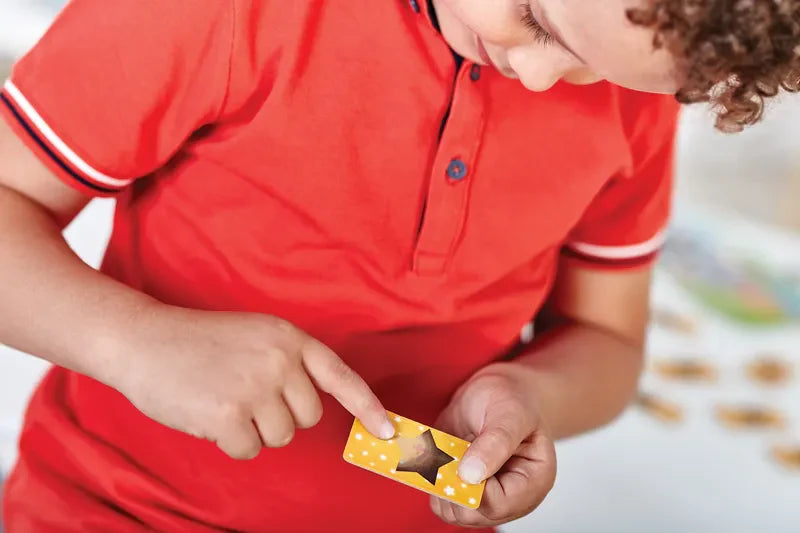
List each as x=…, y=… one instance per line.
x=333, y=376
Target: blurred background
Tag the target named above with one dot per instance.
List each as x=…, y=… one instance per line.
x=714, y=441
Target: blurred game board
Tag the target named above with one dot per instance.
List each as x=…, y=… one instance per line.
x=730, y=281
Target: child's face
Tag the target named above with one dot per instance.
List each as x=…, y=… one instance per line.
x=543, y=41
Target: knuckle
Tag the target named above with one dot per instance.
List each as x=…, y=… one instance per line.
x=341, y=377
x=249, y=452
x=280, y=324
x=500, y=437
x=280, y=362
x=494, y=514
x=366, y=405
x=469, y=519
x=280, y=438
x=340, y=371
x=234, y=411
x=491, y=383
x=316, y=416
x=243, y=452
x=286, y=332
x=311, y=418
x=450, y=515
x=442, y=514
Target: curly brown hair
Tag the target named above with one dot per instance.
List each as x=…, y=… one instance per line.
x=733, y=53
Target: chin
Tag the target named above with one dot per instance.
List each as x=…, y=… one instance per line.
x=583, y=79
x=537, y=86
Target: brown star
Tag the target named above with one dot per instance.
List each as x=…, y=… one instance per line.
x=421, y=455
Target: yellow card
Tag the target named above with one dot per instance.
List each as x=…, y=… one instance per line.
x=418, y=456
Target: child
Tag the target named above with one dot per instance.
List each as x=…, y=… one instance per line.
x=354, y=197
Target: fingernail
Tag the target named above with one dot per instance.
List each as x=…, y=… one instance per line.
x=387, y=430
x=472, y=470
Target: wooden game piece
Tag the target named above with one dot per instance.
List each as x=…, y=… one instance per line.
x=750, y=417
x=660, y=408
x=769, y=370
x=787, y=456
x=687, y=369
x=673, y=321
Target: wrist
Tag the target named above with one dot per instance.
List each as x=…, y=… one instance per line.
x=536, y=396
x=584, y=377
x=111, y=352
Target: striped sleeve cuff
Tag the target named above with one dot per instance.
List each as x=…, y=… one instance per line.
x=624, y=256
x=68, y=165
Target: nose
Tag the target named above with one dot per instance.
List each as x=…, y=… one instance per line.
x=539, y=69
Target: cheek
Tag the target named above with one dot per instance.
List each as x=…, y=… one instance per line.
x=462, y=10
x=454, y=29
x=611, y=46
x=630, y=61
x=488, y=18
x=644, y=71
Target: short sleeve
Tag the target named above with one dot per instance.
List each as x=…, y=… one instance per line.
x=114, y=89
x=625, y=224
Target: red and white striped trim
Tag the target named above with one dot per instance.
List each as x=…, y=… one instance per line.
x=57, y=144
x=627, y=254
x=630, y=251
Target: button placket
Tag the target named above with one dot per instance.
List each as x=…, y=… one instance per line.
x=451, y=179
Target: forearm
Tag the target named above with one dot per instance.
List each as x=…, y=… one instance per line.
x=583, y=376
x=54, y=306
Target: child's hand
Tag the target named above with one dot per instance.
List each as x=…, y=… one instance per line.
x=497, y=411
x=241, y=380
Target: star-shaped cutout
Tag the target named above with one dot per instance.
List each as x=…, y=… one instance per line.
x=421, y=455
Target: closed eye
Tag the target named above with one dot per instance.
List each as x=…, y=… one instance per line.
x=540, y=35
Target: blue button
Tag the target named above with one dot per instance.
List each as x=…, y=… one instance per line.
x=414, y=5
x=475, y=72
x=457, y=169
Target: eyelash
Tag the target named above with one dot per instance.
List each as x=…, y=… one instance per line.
x=539, y=34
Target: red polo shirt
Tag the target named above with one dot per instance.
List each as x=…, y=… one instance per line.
x=328, y=163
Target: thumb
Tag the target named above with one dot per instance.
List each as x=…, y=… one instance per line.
x=497, y=442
